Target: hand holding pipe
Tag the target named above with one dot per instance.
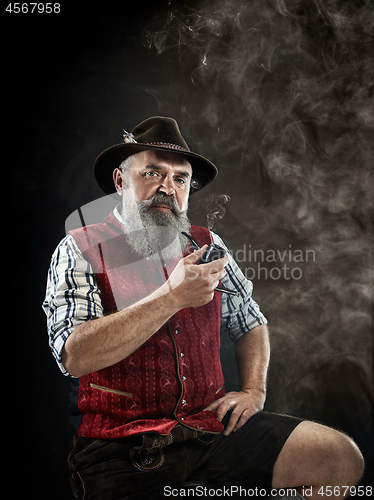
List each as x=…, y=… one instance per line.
x=213, y=252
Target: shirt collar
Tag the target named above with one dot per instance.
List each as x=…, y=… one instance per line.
x=117, y=213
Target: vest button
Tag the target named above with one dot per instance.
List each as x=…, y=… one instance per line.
x=182, y=355
x=176, y=332
x=184, y=378
x=182, y=418
x=183, y=401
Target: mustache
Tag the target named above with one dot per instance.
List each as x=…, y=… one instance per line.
x=160, y=198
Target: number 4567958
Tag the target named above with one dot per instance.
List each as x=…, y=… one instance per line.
x=360, y=491
x=33, y=8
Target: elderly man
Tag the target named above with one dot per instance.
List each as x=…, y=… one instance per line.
x=134, y=318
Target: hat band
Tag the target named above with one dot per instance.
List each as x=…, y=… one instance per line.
x=166, y=145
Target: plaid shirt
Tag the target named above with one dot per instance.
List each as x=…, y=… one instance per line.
x=73, y=297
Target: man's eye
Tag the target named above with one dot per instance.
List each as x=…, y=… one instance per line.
x=151, y=174
x=180, y=180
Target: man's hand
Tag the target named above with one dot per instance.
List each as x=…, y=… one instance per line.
x=244, y=404
x=192, y=285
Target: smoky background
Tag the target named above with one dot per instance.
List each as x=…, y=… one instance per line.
x=280, y=95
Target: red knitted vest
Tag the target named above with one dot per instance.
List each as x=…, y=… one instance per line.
x=173, y=376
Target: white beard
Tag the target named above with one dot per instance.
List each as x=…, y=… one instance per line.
x=150, y=232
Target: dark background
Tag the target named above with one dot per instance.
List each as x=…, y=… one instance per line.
x=278, y=95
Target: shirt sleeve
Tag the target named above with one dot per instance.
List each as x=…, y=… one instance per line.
x=72, y=295
x=238, y=314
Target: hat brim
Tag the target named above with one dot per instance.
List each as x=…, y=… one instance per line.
x=203, y=170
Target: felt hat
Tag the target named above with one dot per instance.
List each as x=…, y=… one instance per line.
x=158, y=133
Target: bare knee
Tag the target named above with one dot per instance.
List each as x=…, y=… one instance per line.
x=340, y=460
x=318, y=455
x=351, y=458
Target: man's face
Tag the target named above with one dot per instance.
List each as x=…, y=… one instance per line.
x=154, y=190
x=154, y=172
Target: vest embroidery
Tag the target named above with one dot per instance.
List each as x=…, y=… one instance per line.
x=174, y=375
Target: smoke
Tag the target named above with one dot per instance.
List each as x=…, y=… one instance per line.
x=215, y=208
x=280, y=95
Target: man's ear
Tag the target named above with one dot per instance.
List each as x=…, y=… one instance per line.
x=118, y=179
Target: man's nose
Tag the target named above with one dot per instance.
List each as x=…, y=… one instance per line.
x=167, y=186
